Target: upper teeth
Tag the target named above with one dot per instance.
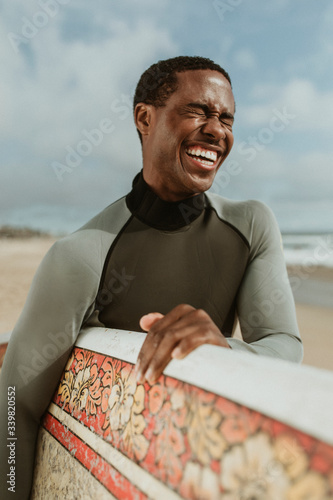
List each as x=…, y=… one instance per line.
x=211, y=155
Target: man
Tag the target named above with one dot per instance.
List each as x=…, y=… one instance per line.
x=168, y=258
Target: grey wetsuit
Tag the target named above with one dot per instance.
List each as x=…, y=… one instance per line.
x=140, y=255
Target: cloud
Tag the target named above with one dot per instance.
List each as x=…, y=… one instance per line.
x=298, y=190
x=245, y=59
x=73, y=83
x=80, y=69
x=55, y=100
x=312, y=108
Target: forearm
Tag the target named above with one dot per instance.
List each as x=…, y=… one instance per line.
x=26, y=387
x=283, y=346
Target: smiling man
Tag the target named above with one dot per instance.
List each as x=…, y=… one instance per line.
x=186, y=140
x=220, y=259
x=169, y=258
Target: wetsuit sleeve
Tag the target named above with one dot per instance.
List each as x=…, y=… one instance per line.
x=59, y=300
x=265, y=304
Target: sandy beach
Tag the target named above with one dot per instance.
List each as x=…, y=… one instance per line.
x=20, y=257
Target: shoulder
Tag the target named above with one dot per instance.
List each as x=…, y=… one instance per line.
x=252, y=218
x=89, y=245
x=111, y=219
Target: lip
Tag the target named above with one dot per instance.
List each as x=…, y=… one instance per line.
x=201, y=165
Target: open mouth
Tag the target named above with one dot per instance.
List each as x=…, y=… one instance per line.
x=205, y=157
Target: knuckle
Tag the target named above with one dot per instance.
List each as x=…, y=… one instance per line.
x=201, y=314
x=156, y=337
x=183, y=308
x=156, y=343
x=176, y=334
x=172, y=330
x=185, y=344
x=142, y=359
x=154, y=332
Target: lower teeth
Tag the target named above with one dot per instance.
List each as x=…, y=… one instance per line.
x=205, y=162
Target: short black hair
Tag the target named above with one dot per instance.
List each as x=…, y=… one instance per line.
x=159, y=81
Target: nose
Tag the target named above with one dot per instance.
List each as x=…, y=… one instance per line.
x=214, y=128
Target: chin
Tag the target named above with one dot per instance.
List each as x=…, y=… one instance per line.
x=203, y=183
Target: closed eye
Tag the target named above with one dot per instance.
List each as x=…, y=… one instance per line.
x=203, y=110
x=195, y=111
x=227, y=119
x=228, y=123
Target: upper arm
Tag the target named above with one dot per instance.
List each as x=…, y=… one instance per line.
x=265, y=303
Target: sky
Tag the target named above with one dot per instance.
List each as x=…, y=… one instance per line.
x=68, y=74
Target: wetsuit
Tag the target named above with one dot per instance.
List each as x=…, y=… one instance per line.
x=140, y=255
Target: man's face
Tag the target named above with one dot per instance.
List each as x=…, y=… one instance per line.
x=189, y=138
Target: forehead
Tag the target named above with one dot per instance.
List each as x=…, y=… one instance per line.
x=204, y=86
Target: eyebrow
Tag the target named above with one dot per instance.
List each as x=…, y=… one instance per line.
x=206, y=109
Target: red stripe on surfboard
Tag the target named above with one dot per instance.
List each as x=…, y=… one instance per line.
x=3, y=349
x=113, y=481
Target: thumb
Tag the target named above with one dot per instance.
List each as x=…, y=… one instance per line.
x=148, y=320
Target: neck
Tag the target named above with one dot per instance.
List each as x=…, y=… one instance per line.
x=161, y=188
x=162, y=213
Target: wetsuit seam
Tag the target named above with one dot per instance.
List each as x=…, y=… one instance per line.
x=245, y=240
x=108, y=256
x=161, y=227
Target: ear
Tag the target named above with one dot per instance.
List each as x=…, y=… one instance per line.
x=143, y=115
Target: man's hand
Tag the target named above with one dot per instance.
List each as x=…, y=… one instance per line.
x=173, y=336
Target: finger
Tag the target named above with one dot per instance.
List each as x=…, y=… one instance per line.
x=145, y=355
x=190, y=343
x=172, y=317
x=154, y=372
x=148, y=320
x=169, y=339
x=162, y=338
x=154, y=337
x=180, y=319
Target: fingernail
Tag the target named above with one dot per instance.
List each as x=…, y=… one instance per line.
x=150, y=376
x=138, y=373
x=176, y=353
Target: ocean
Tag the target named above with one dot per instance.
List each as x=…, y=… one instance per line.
x=308, y=250
x=309, y=258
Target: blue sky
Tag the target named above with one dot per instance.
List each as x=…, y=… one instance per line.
x=70, y=67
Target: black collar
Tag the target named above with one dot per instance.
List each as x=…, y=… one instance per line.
x=160, y=214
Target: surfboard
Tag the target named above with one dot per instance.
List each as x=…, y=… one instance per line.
x=216, y=425
x=4, y=339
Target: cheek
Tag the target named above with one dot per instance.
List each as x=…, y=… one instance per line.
x=230, y=139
